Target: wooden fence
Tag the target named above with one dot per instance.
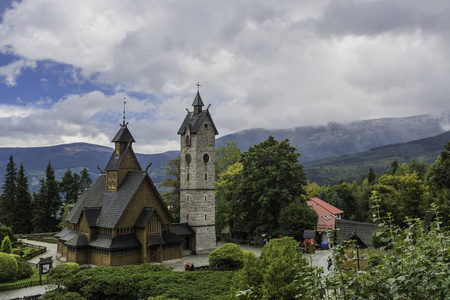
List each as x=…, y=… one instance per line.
x=16, y=286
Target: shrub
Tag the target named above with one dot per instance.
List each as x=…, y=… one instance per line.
x=24, y=268
x=7, y=231
x=229, y=256
x=63, y=273
x=8, y=267
x=6, y=245
x=380, y=238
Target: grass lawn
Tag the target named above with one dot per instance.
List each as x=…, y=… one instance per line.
x=35, y=277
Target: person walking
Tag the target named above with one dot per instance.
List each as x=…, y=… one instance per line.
x=187, y=267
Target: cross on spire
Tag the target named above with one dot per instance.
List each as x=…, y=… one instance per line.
x=198, y=86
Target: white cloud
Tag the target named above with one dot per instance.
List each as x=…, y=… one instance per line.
x=261, y=63
x=11, y=71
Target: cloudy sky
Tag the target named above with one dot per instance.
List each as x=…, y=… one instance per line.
x=66, y=66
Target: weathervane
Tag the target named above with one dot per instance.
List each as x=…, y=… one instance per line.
x=124, y=102
x=198, y=86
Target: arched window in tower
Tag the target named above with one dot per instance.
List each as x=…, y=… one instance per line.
x=188, y=140
x=206, y=176
x=206, y=125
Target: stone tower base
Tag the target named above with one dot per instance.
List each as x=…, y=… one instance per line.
x=205, y=239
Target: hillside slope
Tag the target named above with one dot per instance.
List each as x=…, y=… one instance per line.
x=352, y=166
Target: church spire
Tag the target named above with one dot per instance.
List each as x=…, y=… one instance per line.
x=198, y=103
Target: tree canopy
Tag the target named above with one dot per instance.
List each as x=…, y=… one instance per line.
x=272, y=179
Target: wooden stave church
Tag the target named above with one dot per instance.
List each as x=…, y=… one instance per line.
x=122, y=218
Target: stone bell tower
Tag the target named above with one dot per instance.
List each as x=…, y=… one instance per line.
x=197, y=176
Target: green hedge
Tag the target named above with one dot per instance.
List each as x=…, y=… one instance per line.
x=8, y=267
x=143, y=282
x=229, y=256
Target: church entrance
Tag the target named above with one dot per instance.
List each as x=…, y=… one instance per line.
x=154, y=254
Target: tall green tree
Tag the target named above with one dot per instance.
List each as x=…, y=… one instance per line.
x=23, y=212
x=272, y=179
x=85, y=180
x=295, y=218
x=348, y=201
x=47, y=203
x=229, y=210
x=70, y=186
x=8, y=197
x=226, y=156
x=172, y=185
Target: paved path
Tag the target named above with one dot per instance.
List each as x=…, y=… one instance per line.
x=318, y=259
x=35, y=290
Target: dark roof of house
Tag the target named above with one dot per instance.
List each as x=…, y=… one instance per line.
x=80, y=240
x=123, y=135
x=66, y=234
x=112, y=204
x=121, y=241
x=144, y=217
x=181, y=229
x=154, y=240
x=171, y=238
x=347, y=228
x=92, y=214
x=114, y=161
x=194, y=121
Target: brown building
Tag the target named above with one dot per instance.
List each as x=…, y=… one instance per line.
x=122, y=218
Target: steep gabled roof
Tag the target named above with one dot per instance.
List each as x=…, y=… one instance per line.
x=327, y=213
x=115, y=160
x=194, y=121
x=112, y=204
x=144, y=217
x=123, y=135
x=347, y=229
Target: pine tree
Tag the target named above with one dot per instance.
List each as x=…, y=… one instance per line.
x=69, y=186
x=22, y=211
x=85, y=179
x=6, y=245
x=8, y=198
x=336, y=202
x=47, y=203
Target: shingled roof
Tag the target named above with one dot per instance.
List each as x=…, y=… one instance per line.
x=122, y=241
x=123, y=135
x=193, y=122
x=347, y=229
x=326, y=212
x=111, y=204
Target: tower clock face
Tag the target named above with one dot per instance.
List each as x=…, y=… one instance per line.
x=205, y=157
x=188, y=158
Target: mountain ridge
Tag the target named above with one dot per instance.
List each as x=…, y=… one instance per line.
x=313, y=142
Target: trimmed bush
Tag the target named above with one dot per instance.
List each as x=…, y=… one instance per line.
x=63, y=273
x=8, y=267
x=229, y=256
x=24, y=268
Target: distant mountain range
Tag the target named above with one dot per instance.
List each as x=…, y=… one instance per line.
x=320, y=146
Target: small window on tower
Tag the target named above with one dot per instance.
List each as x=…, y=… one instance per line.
x=206, y=176
x=187, y=177
x=188, y=140
x=187, y=198
x=206, y=125
x=205, y=217
x=205, y=197
x=187, y=216
x=205, y=157
x=188, y=158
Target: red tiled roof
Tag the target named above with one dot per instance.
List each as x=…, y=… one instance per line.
x=326, y=213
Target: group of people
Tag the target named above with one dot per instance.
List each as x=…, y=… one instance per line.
x=189, y=267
